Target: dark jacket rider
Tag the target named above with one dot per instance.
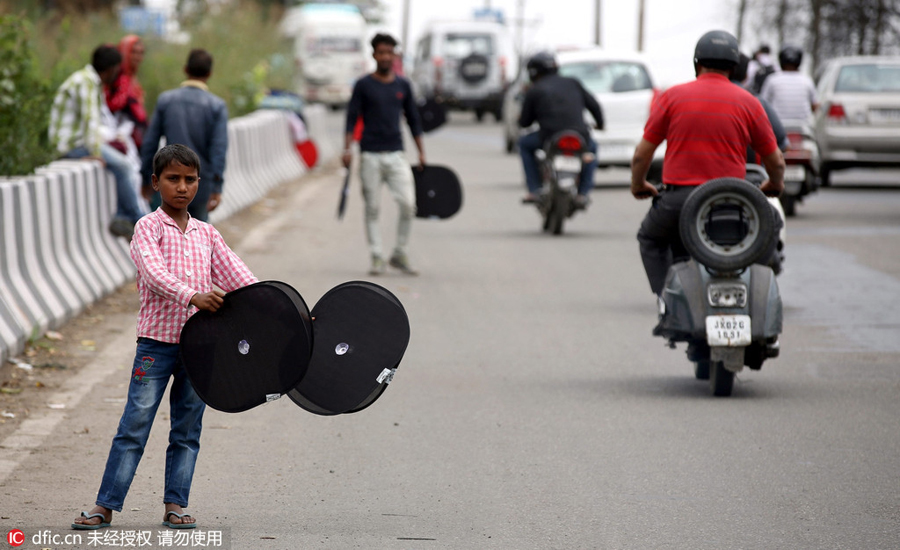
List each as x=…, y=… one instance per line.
x=556, y=103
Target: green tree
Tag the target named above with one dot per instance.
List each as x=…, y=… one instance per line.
x=25, y=99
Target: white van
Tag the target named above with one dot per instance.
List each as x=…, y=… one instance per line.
x=329, y=50
x=464, y=63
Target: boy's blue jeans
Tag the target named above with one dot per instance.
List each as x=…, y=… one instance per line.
x=154, y=363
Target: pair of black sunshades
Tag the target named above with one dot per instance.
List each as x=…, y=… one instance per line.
x=263, y=344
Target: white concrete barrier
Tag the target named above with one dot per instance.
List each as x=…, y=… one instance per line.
x=56, y=253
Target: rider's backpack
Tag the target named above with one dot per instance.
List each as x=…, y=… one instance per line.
x=760, y=77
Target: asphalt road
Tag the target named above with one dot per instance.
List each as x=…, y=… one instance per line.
x=533, y=408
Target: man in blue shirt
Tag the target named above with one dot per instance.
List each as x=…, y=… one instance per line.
x=379, y=99
x=194, y=117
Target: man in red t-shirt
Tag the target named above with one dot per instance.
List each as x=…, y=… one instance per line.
x=707, y=124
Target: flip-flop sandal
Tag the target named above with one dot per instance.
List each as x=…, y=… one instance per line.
x=88, y=527
x=171, y=525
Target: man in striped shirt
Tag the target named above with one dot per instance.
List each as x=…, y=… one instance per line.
x=76, y=131
x=707, y=125
x=791, y=93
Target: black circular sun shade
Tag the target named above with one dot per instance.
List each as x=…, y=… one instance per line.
x=361, y=332
x=253, y=350
x=438, y=192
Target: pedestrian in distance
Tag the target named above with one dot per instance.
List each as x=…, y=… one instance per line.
x=197, y=118
x=76, y=131
x=178, y=260
x=707, y=124
x=380, y=99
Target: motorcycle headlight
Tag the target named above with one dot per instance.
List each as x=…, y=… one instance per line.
x=727, y=294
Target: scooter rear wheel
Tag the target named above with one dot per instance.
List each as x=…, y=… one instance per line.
x=721, y=380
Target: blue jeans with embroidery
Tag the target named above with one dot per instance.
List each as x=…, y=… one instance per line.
x=154, y=363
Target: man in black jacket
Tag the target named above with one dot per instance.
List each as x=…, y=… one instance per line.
x=556, y=103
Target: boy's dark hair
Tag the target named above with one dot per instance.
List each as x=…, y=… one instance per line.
x=381, y=38
x=175, y=153
x=104, y=57
x=199, y=63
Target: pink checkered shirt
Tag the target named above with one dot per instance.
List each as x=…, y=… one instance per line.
x=173, y=266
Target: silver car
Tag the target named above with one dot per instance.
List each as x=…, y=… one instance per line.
x=858, y=121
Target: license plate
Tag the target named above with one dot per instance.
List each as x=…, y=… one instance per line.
x=884, y=116
x=794, y=172
x=567, y=164
x=728, y=330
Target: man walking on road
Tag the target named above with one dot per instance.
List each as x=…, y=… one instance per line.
x=379, y=99
x=192, y=116
x=76, y=121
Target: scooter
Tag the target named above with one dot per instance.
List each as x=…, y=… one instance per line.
x=802, y=160
x=724, y=301
x=562, y=159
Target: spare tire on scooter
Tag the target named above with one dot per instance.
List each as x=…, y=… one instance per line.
x=727, y=224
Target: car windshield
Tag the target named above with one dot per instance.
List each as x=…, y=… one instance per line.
x=601, y=77
x=460, y=45
x=868, y=79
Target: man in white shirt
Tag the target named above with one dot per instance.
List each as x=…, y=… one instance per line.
x=791, y=94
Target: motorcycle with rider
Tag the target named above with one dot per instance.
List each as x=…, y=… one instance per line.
x=706, y=237
x=559, y=159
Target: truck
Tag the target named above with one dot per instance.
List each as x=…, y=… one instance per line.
x=329, y=50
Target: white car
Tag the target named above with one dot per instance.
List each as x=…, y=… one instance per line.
x=623, y=86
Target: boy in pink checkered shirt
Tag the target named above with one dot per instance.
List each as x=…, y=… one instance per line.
x=178, y=260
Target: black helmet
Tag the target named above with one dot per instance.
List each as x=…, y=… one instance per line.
x=540, y=64
x=790, y=55
x=718, y=49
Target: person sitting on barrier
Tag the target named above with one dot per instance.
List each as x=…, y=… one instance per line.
x=169, y=296
x=125, y=96
x=76, y=120
x=197, y=118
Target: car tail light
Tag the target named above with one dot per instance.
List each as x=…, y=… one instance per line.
x=503, y=70
x=836, y=112
x=795, y=139
x=569, y=145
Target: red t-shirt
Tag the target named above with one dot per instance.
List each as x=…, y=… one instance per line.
x=707, y=125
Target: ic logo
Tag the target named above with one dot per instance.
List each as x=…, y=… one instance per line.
x=15, y=537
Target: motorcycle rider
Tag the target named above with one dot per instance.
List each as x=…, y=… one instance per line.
x=791, y=93
x=707, y=124
x=556, y=103
x=739, y=75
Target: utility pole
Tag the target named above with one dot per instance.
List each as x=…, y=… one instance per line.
x=404, y=39
x=597, y=10
x=640, y=39
x=520, y=24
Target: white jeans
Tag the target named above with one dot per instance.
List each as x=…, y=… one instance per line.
x=393, y=169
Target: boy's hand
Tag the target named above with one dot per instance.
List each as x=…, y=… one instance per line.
x=209, y=301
